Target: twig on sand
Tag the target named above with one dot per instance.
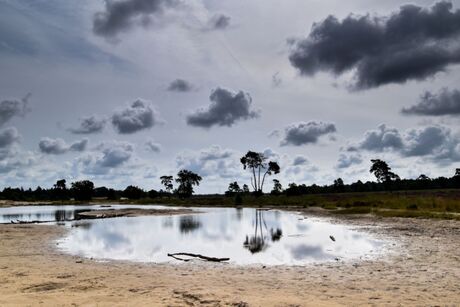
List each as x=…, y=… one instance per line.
x=212, y=259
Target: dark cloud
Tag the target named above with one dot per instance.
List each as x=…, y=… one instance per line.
x=138, y=116
x=306, y=133
x=412, y=44
x=226, y=109
x=121, y=15
x=8, y=137
x=347, y=160
x=89, y=125
x=445, y=102
x=181, y=86
x=79, y=145
x=436, y=142
x=299, y=160
x=59, y=146
x=12, y=108
x=219, y=22
x=153, y=146
x=426, y=140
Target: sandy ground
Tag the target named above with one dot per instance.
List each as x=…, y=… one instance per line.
x=425, y=272
x=110, y=213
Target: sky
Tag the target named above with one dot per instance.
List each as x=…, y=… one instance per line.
x=121, y=92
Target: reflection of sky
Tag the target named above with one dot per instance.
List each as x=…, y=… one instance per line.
x=220, y=232
x=54, y=213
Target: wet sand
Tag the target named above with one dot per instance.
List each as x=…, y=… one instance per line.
x=422, y=269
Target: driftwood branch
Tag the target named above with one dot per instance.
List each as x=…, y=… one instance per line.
x=30, y=222
x=212, y=259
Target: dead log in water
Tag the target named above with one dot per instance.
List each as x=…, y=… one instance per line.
x=212, y=259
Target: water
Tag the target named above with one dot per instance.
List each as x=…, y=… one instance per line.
x=54, y=213
x=247, y=236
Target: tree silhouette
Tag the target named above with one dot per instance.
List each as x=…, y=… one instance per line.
x=277, y=187
x=423, y=177
x=83, y=190
x=60, y=184
x=339, y=185
x=256, y=162
x=245, y=188
x=167, y=182
x=186, y=180
x=233, y=187
x=133, y=192
x=456, y=178
x=59, y=190
x=383, y=172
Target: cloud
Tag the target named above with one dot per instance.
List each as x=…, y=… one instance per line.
x=213, y=161
x=17, y=162
x=152, y=146
x=180, y=86
x=426, y=140
x=412, y=44
x=226, y=109
x=347, y=160
x=89, y=125
x=379, y=140
x=106, y=156
x=299, y=160
x=271, y=155
x=306, y=133
x=136, y=117
x=59, y=146
x=120, y=16
x=445, y=102
x=276, y=80
x=8, y=137
x=12, y=108
x=435, y=142
x=219, y=22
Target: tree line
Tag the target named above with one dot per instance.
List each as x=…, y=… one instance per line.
x=84, y=190
x=387, y=180
x=260, y=169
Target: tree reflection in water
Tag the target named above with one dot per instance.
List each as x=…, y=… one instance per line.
x=188, y=223
x=60, y=215
x=258, y=242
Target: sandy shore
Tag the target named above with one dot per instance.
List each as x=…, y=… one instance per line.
x=425, y=272
x=110, y=213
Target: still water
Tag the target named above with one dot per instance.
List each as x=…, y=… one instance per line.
x=246, y=236
x=55, y=213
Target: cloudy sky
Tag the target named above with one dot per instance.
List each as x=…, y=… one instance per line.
x=124, y=91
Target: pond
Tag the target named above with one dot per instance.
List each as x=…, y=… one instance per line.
x=247, y=236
